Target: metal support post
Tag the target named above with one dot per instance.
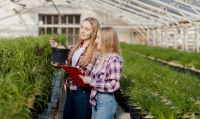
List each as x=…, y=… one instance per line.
x=186, y=38
x=197, y=37
x=183, y=41
x=167, y=36
x=154, y=37
x=132, y=36
x=159, y=36
x=148, y=38
x=175, y=37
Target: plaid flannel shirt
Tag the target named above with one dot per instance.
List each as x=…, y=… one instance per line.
x=86, y=71
x=107, y=78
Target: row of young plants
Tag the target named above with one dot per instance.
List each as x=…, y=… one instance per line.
x=159, y=89
x=187, y=59
x=25, y=75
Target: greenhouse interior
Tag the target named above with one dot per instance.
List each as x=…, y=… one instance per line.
x=159, y=42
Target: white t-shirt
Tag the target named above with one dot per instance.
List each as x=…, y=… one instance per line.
x=76, y=56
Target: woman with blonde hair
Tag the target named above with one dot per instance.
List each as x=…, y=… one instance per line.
x=106, y=74
x=82, y=56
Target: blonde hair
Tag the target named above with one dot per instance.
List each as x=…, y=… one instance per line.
x=109, y=40
x=95, y=26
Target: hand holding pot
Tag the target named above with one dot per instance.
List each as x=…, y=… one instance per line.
x=56, y=65
x=53, y=42
x=66, y=62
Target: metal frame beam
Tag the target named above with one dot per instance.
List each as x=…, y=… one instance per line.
x=187, y=4
x=129, y=15
x=133, y=11
x=158, y=9
x=176, y=8
x=144, y=10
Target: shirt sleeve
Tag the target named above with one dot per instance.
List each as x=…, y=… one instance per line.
x=110, y=83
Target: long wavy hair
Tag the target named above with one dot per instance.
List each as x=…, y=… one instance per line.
x=110, y=41
x=92, y=45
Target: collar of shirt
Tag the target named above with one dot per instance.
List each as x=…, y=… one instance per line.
x=84, y=51
x=106, y=60
x=104, y=63
x=81, y=43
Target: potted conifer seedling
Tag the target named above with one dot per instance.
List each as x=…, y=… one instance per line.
x=60, y=53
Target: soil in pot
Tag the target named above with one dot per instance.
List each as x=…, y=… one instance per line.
x=59, y=55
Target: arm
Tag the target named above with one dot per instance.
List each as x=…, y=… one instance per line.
x=112, y=82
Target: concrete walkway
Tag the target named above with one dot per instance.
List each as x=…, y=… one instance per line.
x=61, y=104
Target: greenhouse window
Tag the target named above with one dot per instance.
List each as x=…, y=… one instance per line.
x=49, y=24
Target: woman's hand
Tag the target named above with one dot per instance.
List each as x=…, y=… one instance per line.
x=66, y=62
x=53, y=42
x=86, y=80
x=80, y=69
x=56, y=65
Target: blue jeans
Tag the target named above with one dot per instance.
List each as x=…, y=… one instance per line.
x=77, y=105
x=106, y=106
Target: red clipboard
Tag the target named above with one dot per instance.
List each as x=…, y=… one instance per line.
x=74, y=72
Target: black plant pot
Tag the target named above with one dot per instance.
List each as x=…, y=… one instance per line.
x=59, y=55
x=117, y=95
x=143, y=115
x=135, y=112
x=126, y=108
x=122, y=100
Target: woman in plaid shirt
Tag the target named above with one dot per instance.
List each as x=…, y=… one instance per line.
x=82, y=56
x=106, y=74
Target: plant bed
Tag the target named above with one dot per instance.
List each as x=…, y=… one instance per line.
x=24, y=71
x=178, y=68
x=172, y=56
x=148, y=82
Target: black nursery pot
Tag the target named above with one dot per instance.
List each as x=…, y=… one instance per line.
x=134, y=112
x=117, y=95
x=59, y=55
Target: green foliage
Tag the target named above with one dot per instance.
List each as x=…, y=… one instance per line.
x=60, y=39
x=157, y=88
x=187, y=59
x=25, y=71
